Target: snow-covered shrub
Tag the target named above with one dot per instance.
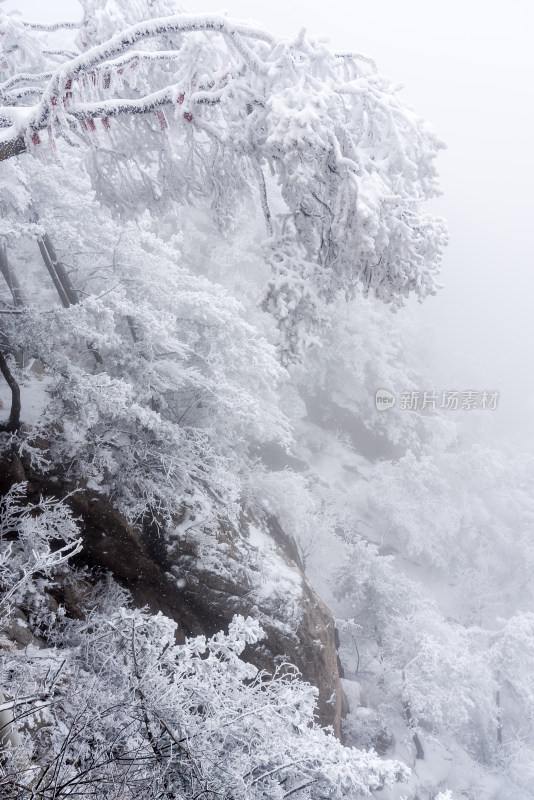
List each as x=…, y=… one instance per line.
x=111, y=706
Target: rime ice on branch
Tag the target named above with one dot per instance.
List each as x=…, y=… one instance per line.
x=212, y=108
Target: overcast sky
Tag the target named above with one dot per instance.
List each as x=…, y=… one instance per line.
x=467, y=67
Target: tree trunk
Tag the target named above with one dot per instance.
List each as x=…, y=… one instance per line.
x=66, y=291
x=13, y=423
x=66, y=283
x=419, y=752
x=10, y=278
x=65, y=302
x=16, y=293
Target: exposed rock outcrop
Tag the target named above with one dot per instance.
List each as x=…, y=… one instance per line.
x=204, y=577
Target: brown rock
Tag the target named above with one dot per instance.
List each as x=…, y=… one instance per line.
x=17, y=632
x=208, y=577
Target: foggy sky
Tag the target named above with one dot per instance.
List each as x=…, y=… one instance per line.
x=467, y=68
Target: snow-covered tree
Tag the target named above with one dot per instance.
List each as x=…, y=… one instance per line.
x=203, y=109
x=153, y=384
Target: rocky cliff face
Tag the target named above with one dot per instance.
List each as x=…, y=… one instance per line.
x=201, y=580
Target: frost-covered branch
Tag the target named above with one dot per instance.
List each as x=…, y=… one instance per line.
x=50, y=27
x=35, y=118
